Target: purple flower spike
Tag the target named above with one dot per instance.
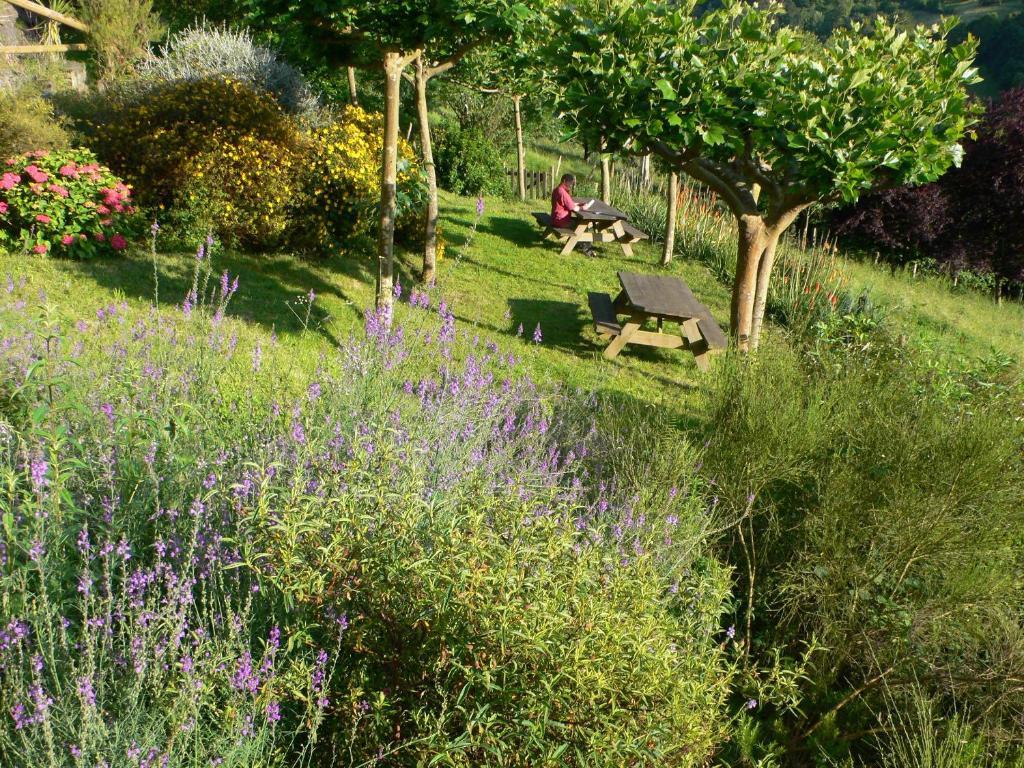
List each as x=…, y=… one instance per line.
x=38, y=469
x=480, y=206
x=537, y=336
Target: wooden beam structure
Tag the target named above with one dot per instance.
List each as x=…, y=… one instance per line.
x=49, y=13
x=63, y=48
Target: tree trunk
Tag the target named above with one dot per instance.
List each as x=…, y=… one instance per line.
x=670, y=219
x=750, y=246
x=352, y=95
x=430, y=229
x=606, y=180
x=393, y=65
x=764, y=275
x=520, y=147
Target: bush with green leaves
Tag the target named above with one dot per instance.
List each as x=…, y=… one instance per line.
x=28, y=122
x=870, y=512
x=120, y=32
x=469, y=162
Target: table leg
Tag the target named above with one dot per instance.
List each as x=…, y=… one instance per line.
x=627, y=249
x=696, y=344
x=570, y=244
x=631, y=326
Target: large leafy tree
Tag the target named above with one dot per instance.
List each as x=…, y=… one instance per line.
x=765, y=115
x=389, y=35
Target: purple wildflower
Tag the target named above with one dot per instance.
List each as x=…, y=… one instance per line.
x=273, y=711
x=86, y=691
x=38, y=469
x=480, y=206
x=537, y=337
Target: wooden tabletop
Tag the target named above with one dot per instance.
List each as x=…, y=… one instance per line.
x=660, y=296
x=599, y=210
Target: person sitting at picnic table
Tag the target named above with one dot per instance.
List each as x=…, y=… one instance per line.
x=563, y=207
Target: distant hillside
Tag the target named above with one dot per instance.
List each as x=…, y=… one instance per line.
x=999, y=26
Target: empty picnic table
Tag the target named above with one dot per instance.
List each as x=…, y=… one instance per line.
x=658, y=298
x=601, y=223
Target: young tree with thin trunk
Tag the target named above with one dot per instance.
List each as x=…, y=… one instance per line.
x=671, y=208
x=389, y=35
x=739, y=103
x=421, y=77
x=511, y=70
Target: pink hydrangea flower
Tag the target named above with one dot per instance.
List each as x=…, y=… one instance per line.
x=99, y=237
x=118, y=243
x=41, y=248
x=106, y=222
x=58, y=190
x=3, y=207
x=67, y=240
x=102, y=209
x=9, y=180
x=10, y=161
x=69, y=171
x=42, y=218
x=36, y=175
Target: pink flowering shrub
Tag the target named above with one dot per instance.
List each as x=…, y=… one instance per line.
x=63, y=202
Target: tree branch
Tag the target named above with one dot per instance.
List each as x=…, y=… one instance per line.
x=757, y=170
x=459, y=54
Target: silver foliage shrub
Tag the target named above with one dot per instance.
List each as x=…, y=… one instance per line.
x=205, y=50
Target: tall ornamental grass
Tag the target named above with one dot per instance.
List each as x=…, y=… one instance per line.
x=410, y=555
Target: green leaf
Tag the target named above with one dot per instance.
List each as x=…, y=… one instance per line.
x=667, y=91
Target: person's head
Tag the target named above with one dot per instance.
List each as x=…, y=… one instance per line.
x=568, y=180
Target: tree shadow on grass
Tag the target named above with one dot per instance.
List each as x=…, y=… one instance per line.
x=524, y=276
x=518, y=231
x=268, y=284
x=561, y=323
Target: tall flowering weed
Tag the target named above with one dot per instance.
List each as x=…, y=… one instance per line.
x=63, y=202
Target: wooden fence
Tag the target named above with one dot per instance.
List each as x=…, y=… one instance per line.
x=538, y=183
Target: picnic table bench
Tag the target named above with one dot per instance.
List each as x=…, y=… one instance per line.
x=658, y=298
x=602, y=223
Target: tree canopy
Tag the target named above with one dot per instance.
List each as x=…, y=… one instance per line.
x=768, y=116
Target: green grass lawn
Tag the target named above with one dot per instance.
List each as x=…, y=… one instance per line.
x=506, y=278
x=952, y=324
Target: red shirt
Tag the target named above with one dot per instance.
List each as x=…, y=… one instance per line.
x=562, y=206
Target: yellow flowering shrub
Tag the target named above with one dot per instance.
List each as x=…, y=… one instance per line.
x=342, y=182
x=244, y=189
x=150, y=135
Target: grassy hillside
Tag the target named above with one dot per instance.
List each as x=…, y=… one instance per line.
x=506, y=277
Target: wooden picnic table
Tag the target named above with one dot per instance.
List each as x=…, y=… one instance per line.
x=659, y=298
x=602, y=223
